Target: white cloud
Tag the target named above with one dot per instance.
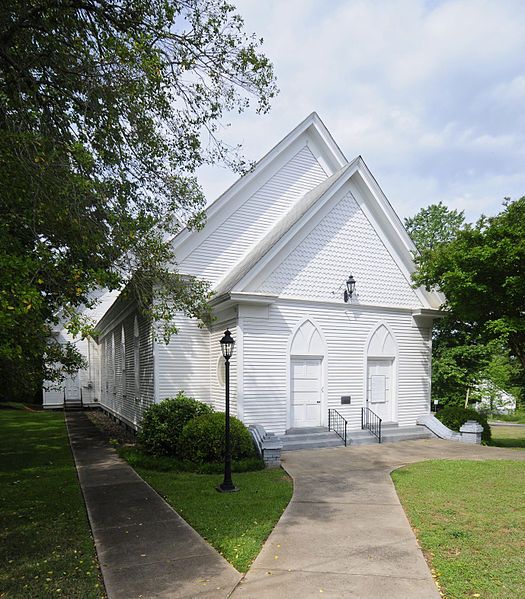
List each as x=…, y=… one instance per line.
x=430, y=93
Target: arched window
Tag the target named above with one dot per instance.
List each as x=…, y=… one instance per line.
x=382, y=343
x=136, y=356
x=105, y=363
x=123, y=360
x=113, y=370
x=307, y=340
x=221, y=374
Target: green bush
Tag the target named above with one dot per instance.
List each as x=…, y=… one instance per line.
x=455, y=416
x=202, y=440
x=517, y=416
x=162, y=423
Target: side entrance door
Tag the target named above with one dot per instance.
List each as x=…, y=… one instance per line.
x=306, y=392
x=72, y=388
x=380, y=388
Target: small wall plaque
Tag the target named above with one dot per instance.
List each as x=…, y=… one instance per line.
x=345, y=399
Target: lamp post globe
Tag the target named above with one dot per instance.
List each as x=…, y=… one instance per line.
x=227, y=345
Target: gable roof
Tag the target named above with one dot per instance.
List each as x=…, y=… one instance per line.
x=376, y=207
x=278, y=231
x=312, y=127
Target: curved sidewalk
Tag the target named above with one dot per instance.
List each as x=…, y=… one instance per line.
x=145, y=549
x=345, y=534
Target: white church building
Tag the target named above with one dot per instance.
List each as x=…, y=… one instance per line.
x=278, y=248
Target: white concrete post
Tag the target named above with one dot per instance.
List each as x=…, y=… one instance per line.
x=471, y=432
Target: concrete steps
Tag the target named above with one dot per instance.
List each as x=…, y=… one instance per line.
x=73, y=404
x=310, y=438
x=390, y=433
x=319, y=437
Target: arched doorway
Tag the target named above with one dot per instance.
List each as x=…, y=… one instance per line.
x=380, y=373
x=307, y=366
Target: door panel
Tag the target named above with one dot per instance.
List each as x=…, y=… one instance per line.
x=306, y=392
x=379, y=397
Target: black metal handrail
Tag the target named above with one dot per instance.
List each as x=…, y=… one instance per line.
x=338, y=424
x=371, y=422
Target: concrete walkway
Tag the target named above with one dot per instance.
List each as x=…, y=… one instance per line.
x=345, y=534
x=144, y=547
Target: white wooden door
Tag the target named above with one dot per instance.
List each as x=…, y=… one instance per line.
x=72, y=387
x=380, y=388
x=306, y=392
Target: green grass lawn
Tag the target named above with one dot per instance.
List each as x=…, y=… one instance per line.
x=508, y=436
x=236, y=524
x=469, y=518
x=46, y=549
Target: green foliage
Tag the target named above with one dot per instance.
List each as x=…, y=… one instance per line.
x=202, y=440
x=455, y=416
x=518, y=417
x=457, y=359
x=481, y=270
x=163, y=423
x=106, y=111
x=434, y=225
x=505, y=372
x=482, y=274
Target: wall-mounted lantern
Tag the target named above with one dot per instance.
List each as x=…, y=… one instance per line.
x=350, y=288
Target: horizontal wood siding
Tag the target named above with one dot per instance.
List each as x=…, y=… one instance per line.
x=119, y=391
x=222, y=249
x=183, y=363
x=264, y=372
x=346, y=333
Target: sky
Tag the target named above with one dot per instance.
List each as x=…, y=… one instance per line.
x=430, y=93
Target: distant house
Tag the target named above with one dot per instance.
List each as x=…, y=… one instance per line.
x=493, y=399
x=278, y=248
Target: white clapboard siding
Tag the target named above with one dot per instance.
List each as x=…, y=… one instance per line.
x=120, y=394
x=183, y=363
x=346, y=331
x=223, y=248
x=343, y=241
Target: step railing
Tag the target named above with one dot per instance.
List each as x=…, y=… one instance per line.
x=338, y=424
x=371, y=422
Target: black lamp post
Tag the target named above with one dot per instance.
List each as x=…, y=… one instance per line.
x=227, y=486
x=350, y=288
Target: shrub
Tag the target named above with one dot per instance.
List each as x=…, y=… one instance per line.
x=202, y=440
x=163, y=422
x=455, y=416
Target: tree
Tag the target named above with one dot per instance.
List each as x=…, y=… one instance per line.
x=455, y=359
x=458, y=358
x=502, y=373
x=482, y=274
x=433, y=225
x=107, y=108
